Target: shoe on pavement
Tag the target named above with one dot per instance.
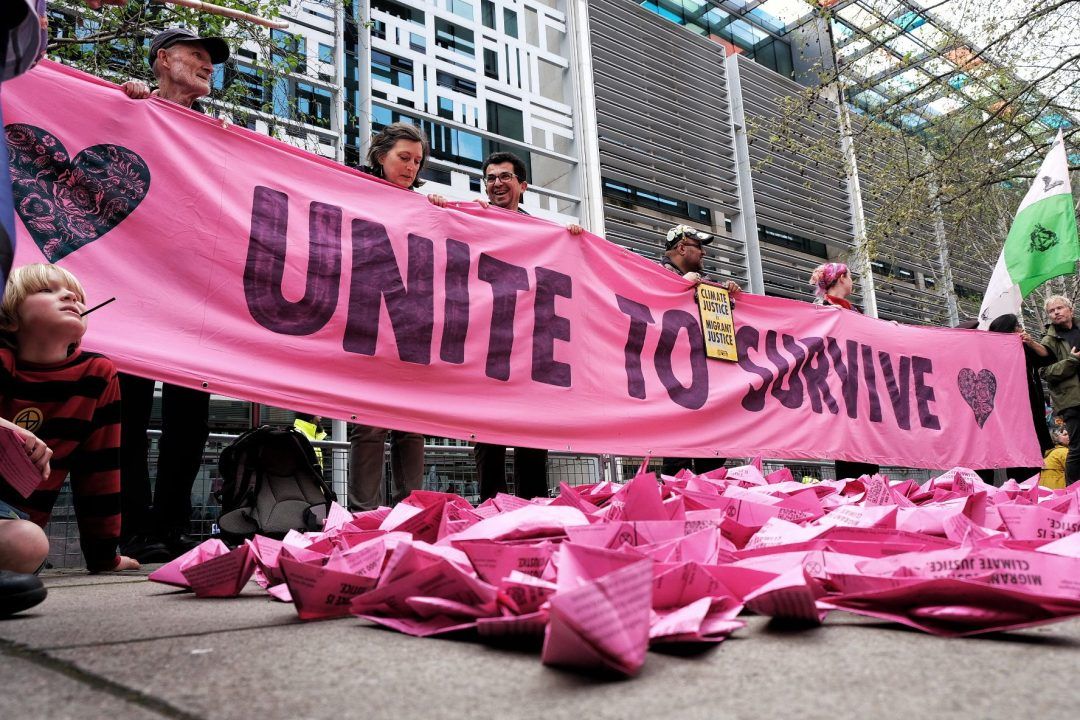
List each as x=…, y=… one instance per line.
x=178, y=543
x=19, y=591
x=146, y=549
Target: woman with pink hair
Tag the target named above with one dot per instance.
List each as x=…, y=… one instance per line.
x=833, y=284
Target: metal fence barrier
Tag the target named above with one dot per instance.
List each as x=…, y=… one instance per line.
x=447, y=468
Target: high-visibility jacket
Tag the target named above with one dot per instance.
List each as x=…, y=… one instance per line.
x=312, y=432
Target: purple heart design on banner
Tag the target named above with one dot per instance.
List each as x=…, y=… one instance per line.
x=978, y=390
x=64, y=202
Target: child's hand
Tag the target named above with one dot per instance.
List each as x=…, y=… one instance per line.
x=38, y=452
x=127, y=563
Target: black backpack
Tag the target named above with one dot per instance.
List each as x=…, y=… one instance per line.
x=271, y=483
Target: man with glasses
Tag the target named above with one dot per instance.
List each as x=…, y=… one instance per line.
x=684, y=253
x=505, y=183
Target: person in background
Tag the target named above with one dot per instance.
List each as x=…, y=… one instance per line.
x=505, y=181
x=684, y=254
x=397, y=154
x=155, y=526
x=1036, y=357
x=833, y=285
x=1062, y=340
x=1053, y=472
x=310, y=426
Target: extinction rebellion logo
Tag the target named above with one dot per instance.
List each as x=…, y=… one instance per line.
x=28, y=419
x=1042, y=239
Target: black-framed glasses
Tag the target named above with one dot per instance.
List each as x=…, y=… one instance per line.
x=504, y=176
x=693, y=245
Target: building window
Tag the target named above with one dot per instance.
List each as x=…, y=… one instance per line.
x=794, y=242
x=736, y=36
x=313, y=105
x=491, y=64
x=505, y=121
x=453, y=37
x=326, y=53
x=394, y=70
x=446, y=80
x=446, y=108
x=630, y=195
x=458, y=146
x=280, y=98
x=417, y=42
x=398, y=10
x=966, y=293
x=380, y=117
x=487, y=13
x=462, y=8
x=287, y=43
x=447, y=143
x=510, y=22
x=881, y=268
x=436, y=175
x=251, y=85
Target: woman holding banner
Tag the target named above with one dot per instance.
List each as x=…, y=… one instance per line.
x=833, y=284
x=1036, y=356
x=397, y=154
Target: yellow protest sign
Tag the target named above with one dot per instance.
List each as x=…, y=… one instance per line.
x=716, y=322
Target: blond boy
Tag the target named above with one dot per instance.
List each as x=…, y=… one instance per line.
x=67, y=399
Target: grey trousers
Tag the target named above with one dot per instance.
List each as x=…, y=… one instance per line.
x=367, y=460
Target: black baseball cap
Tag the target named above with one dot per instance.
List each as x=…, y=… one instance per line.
x=218, y=48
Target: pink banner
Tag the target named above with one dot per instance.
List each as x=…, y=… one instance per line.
x=245, y=266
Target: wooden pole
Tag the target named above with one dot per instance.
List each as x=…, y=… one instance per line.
x=226, y=12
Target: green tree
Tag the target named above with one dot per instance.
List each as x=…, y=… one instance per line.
x=949, y=131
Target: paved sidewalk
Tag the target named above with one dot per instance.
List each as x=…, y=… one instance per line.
x=118, y=647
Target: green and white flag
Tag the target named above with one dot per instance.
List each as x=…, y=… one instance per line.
x=1042, y=241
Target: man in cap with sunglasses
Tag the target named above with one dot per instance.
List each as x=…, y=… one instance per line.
x=684, y=253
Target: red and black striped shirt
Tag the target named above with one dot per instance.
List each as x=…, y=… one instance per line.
x=74, y=407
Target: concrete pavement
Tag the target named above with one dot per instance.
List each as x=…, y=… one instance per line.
x=118, y=647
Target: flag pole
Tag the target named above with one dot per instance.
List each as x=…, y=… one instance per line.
x=226, y=12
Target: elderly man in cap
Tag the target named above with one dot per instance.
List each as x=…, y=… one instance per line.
x=684, y=253
x=155, y=530
x=183, y=65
